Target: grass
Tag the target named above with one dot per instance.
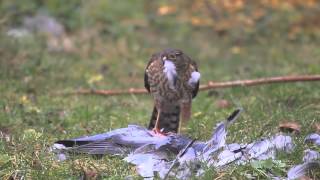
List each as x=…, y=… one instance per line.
x=33, y=116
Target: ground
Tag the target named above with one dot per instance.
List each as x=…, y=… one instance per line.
x=34, y=112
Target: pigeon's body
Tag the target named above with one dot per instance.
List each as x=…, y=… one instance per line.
x=160, y=154
x=172, y=78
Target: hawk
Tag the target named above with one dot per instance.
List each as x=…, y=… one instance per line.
x=172, y=78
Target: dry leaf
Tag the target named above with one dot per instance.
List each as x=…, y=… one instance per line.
x=236, y=50
x=290, y=126
x=317, y=127
x=305, y=178
x=95, y=78
x=90, y=174
x=164, y=10
x=222, y=103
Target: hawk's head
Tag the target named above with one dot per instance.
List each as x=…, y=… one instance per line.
x=174, y=55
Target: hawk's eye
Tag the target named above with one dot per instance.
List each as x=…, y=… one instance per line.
x=172, y=56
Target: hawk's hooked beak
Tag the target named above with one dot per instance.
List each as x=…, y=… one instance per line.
x=164, y=58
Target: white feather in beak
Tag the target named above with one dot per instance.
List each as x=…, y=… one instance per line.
x=171, y=73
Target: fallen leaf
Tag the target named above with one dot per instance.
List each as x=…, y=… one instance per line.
x=90, y=174
x=222, y=103
x=164, y=10
x=95, y=78
x=236, y=50
x=305, y=178
x=290, y=126
x=317, y=127
x=197, y=114
x=24, y=99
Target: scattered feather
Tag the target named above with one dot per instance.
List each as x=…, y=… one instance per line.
x=310, y=155
x=222, y=103
x=300, y=170
x=313, y=138
x=283, y=143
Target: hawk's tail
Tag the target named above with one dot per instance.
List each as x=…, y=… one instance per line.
x=168, y=120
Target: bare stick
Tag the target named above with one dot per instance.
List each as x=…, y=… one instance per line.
x=109, y=92
x=255, y=82
x=209, y=85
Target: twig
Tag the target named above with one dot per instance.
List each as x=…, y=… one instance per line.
x=255, y=82
x=208, y=86
x=108, y=92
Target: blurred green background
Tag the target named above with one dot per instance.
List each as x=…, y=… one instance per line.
x=48, y=47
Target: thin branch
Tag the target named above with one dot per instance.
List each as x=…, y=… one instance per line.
x=209, y=85
x=109, y=92
x=255, y=82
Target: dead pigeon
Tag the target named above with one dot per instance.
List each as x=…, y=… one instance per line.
x=176, y=155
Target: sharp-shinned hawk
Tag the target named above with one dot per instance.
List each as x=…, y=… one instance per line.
x=172, y=78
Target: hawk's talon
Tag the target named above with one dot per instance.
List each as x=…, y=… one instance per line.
x=158, y=132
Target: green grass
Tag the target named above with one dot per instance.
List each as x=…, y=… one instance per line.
x=33, y=114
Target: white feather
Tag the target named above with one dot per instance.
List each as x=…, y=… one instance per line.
x=195, y=77
x=170, y=71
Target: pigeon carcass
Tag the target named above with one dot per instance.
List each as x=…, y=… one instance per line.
x=176, y=155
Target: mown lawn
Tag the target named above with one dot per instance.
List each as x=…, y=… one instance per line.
x=34, y=112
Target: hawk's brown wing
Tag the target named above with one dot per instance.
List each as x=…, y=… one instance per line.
x=146, y=78
x=168, y=120
x=146, y=82
x=196, y=87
